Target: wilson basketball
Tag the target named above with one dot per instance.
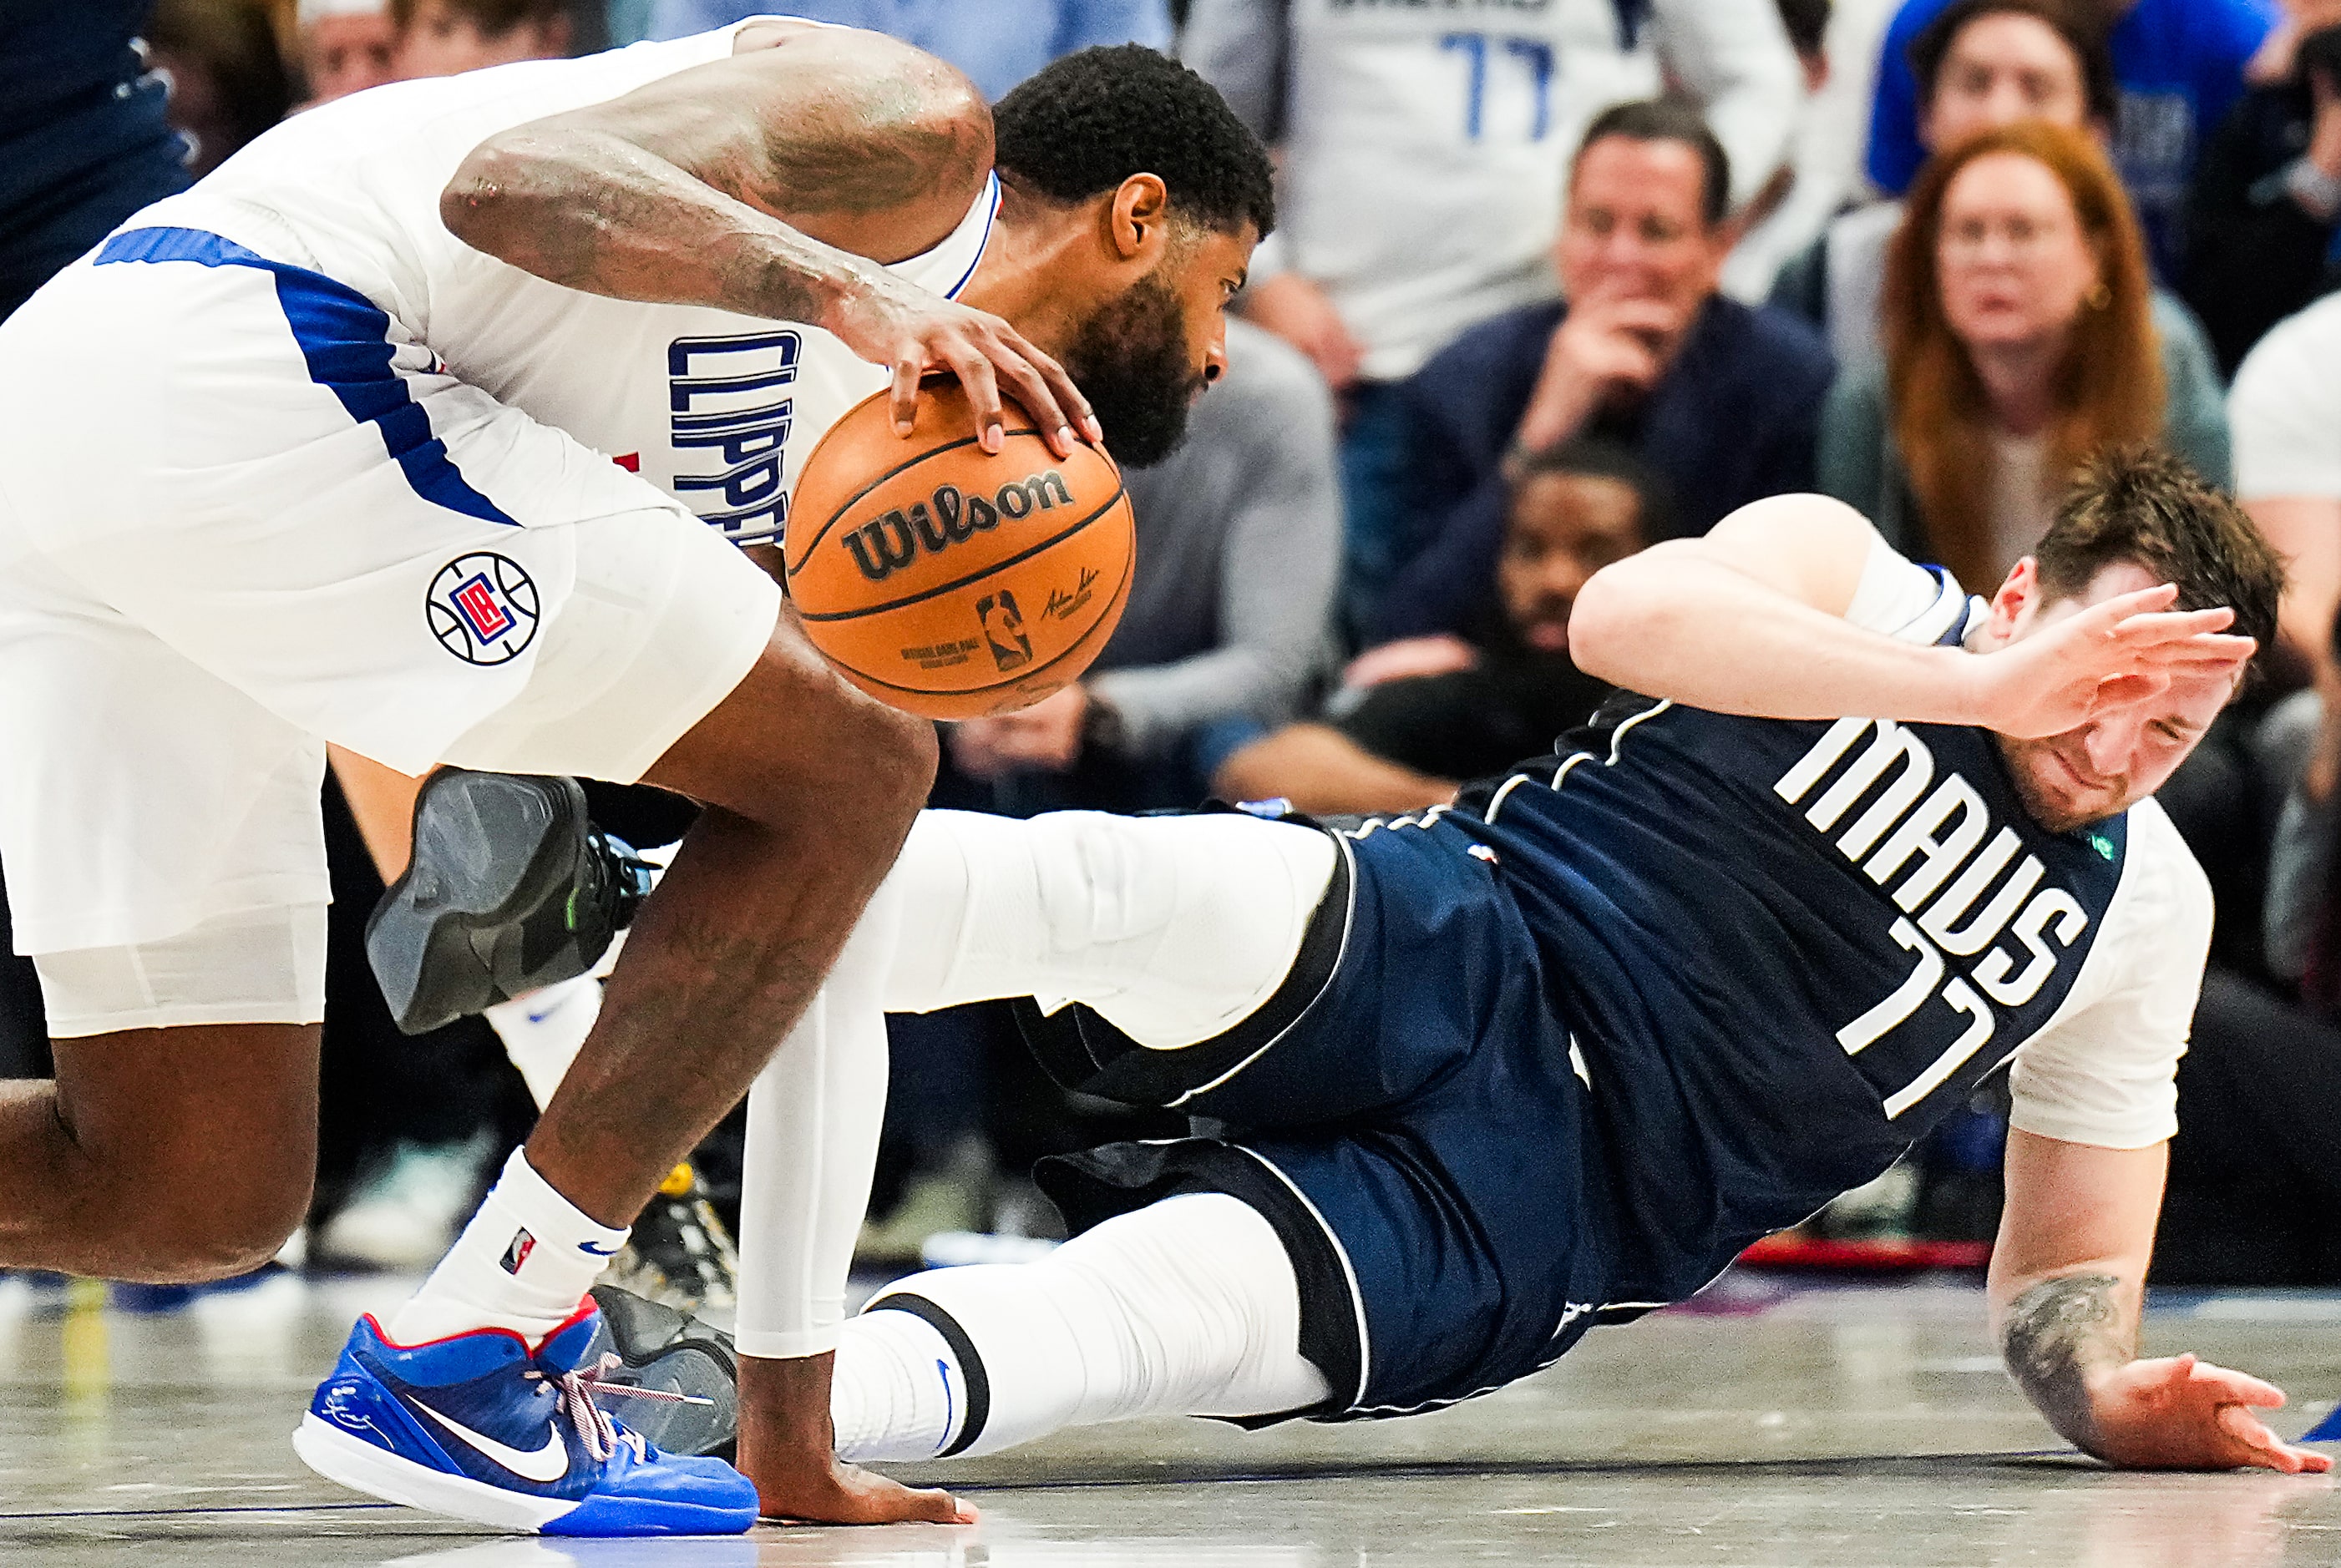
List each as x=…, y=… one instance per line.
x=945, y=580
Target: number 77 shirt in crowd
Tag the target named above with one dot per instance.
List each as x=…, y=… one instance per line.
x=1786, y=948
x=1426, y=147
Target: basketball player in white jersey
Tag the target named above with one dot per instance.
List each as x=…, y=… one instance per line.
x=392, y=435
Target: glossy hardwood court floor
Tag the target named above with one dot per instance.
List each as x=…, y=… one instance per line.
x=1780, y=1425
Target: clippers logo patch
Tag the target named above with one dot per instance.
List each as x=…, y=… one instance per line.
x=482, y=608
x=523, y=1243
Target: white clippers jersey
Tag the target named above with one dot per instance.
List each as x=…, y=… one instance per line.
x=717, y=409
x=1426, y=145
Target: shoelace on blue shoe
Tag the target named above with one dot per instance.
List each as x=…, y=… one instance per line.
x=602, y=1436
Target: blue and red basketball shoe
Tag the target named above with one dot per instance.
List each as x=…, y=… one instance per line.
x=479, y=1427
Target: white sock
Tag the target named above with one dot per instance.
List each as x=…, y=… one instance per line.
x=897, y=1391
x=524, y=1262
x=544, y=1030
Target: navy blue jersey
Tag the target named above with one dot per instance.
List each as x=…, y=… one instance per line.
x=1784, y=950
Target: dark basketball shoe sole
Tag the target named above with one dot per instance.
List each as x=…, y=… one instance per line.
x=685, y=1372
x=506, y=892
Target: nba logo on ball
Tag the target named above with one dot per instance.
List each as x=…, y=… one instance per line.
x=482, y=608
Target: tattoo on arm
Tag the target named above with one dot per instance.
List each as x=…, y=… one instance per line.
x=2058, y=1332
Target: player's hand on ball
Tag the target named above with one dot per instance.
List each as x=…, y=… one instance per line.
x=2178, y=1413
x=2104, y=659
x=909, y=331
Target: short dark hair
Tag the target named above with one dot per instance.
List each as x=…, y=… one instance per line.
x=1668, y=119
x=1600, y=456
x=2083, y=32
x=1089, y=121
x=2139, y=503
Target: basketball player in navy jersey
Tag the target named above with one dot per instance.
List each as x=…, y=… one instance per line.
x=1495, y=1075
x=1489, y=1076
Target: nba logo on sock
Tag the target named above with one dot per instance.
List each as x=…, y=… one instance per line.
x=482, y=608
x=523, y=1243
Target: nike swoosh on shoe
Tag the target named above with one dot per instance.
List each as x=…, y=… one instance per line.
x=546, y=1464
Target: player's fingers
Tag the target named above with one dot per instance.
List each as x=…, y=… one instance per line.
x=2241, y=1387
x=2172, y=625
x=1068, y=393
x=2123, y=607
x=904, y=392
x=2251, y=1442
x=974, y=372
x=1024, y=383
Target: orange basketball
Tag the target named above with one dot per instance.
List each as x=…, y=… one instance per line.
x=947, y=581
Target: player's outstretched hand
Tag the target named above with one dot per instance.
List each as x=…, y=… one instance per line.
x=908, y=330
x=2177, y=1412
x=2095, y=663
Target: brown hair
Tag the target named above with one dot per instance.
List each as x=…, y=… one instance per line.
x=2110, y=387
x=2141, y=504
x=2083, y=32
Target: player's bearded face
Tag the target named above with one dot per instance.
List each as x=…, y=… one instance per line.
x=1132, y=361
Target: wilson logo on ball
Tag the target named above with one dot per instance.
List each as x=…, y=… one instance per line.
x=886, y=545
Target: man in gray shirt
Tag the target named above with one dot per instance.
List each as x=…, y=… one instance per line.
x=1238, y=545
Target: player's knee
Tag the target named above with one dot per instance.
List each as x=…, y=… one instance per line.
x=226, y=1227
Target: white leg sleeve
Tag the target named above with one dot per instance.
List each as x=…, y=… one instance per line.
x=813, y=1120
x=1174, y=928
x=1187, y=1306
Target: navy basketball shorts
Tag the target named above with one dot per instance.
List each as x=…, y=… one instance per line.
x=1404, y=1111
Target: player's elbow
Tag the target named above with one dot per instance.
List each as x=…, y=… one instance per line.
x=1613, y=615
x=494, y=195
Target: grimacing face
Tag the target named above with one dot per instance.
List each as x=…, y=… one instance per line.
x=2104, y=767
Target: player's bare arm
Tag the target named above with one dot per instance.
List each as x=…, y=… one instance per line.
x=1750, y=619
x=2067, y=1280
x=774, y=183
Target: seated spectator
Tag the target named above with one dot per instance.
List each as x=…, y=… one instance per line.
x=2020, y=336
x=447, y=37
x=1239, y=540
x=228, y=81
x=1418, y=717
x=2267, y=204
x=997, y=43
x=1721, y=399
x=2178, y=65
x=1422, y=151
x=2285, y=409
x=1978, y=63
x=345, y=46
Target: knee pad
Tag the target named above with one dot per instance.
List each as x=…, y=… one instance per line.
x=250, y=966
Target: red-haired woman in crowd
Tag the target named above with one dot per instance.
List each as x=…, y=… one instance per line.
x=2022, y=332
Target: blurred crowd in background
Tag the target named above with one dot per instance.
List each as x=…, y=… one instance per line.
x=1554, y=280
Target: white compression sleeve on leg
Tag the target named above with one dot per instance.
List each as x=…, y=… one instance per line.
x=1187, y=1306
x=814, y=1119
x=1174, y=928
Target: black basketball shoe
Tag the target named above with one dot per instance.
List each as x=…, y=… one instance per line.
x=680, y=1255
x=510, y=889
x=683, y=1372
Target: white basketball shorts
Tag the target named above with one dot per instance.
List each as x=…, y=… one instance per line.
x=244, y=513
